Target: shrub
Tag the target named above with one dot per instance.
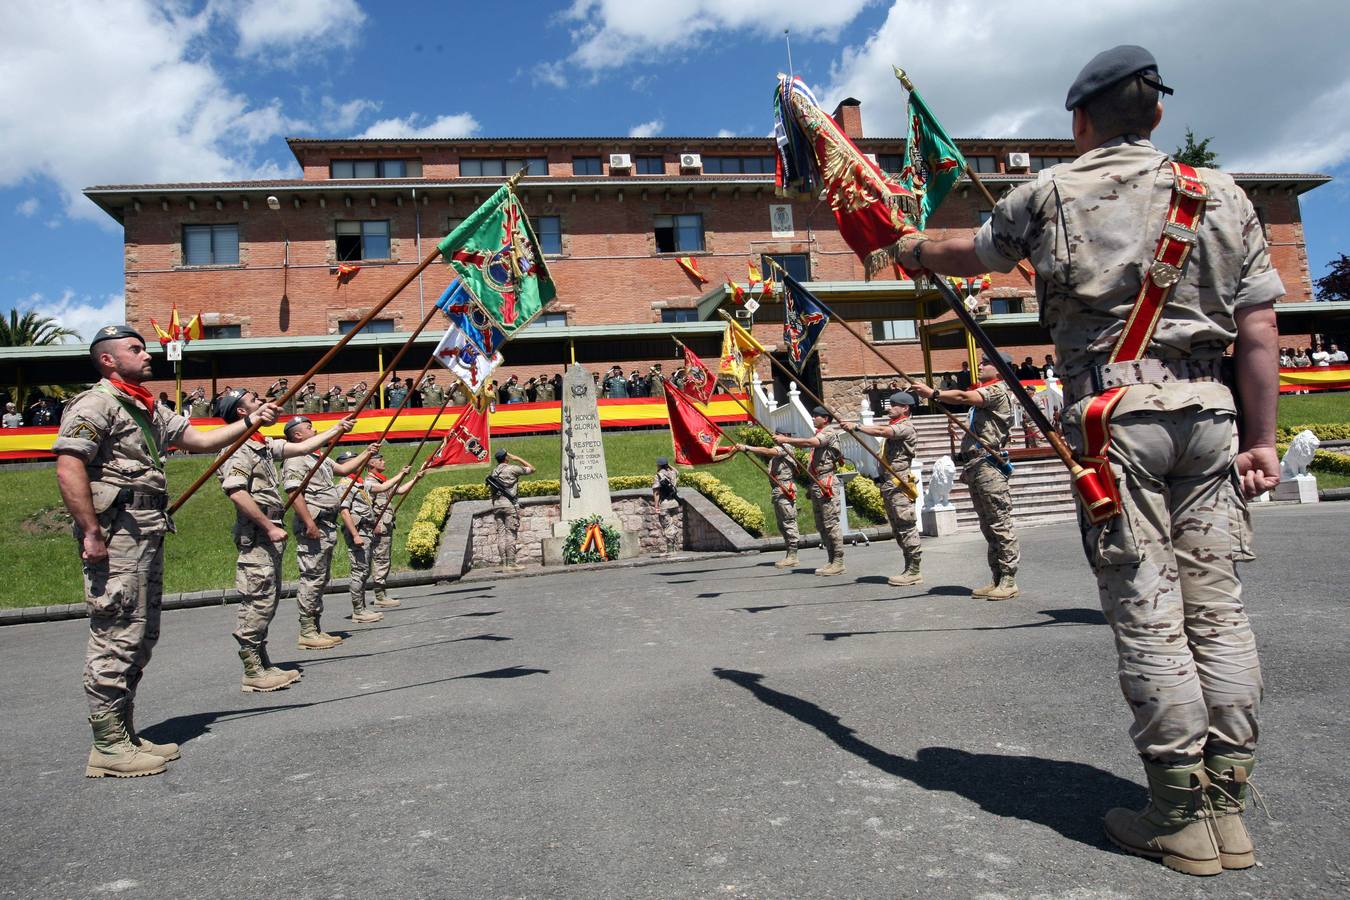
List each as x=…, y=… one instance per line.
x=865, y=498
x=744, y=513
x=1325, y=431
x=423, y=539
x=1326, y=461
x=753, y=436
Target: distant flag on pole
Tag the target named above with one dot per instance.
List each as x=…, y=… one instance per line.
x=740, y=350
x=690, y=266
x=736, y=292
x=804, y=320
x=163, y=336
x=175, y=328
x=194, y=330
x=933, y=164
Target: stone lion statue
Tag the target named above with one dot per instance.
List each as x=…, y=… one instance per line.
x=1300, y=453
x=940, y=483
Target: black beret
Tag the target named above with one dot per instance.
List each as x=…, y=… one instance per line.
x=500, y=455
x=1110, y=66
x=662, y=462
x=227, y=404
x=347, y=455
x=822, y=412
x=295, y=422
x=1007, y=358
x=113, y=332
x=902, y=398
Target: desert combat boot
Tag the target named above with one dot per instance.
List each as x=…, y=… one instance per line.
x=292, y=674
x=258, y=679
x=1006, y=589
x=835, y=567
x=384, y=601
x=909, y=576
x=167, y=752
x=113, y=754
x=788, y=561
x=982, y=592
x=1228, y=774
x=1176, y=827
x=312, y=639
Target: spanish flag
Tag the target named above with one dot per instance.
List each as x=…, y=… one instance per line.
x=740, y=351
x=194, y=330
x=690, y=267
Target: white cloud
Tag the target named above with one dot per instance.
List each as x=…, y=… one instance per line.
x=458, y=125
x=83, y=313
x=339, y=119
x=610, y=33
x=550, y=73
x=290, y=28
x=1246, y=83
x=647, y=129
x=28, y=207
x=726, y=132
x=142, y=104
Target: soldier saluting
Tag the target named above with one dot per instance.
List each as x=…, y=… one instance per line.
x=504, y=485
x=110, y=469
x=249, y=479
x=1169, y=266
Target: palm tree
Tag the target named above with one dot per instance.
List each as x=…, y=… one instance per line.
x=32, y=330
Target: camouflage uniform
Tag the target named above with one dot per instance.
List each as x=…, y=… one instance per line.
x=200, y=408
x=898, y=452
x=1165, y=567
x=459, y=395
x=824, y=463
x=312, y=403
x=361, y=503
x=668, y=507
x=783, y=491
x=506, y=509
x=515, y=393
x=989, y=491
x=381, y=544
x=314, y=555
x=353, y=397
x=544, y=392
x=433, y=395
x=126, y=480
x=258, y=577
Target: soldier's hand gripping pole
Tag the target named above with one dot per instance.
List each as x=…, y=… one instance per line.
x=304, y=379
x=1098, y=499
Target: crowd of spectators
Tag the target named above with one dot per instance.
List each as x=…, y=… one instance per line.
x=1308, y=357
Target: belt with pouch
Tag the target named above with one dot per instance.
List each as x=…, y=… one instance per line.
x=975, y=457
x=1096, y=379
x=127, y=498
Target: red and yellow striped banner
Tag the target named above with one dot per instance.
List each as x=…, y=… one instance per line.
x=1315, y=378
x=506, y=419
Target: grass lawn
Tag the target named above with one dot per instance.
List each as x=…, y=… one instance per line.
x=1303, y=409
x=39, y=562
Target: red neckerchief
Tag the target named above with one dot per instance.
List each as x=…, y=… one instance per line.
x=134, y=391
x=984, y=384
x=377, y=476
x=899, y=420
x=257, y=438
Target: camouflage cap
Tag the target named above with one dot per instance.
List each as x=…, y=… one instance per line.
x=1111, y=66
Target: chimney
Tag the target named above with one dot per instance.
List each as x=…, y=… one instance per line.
x=848, y=115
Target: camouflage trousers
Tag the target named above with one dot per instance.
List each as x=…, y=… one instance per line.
x=360, y=561
x=904, y=521
x=992, y=499
x=508, y=528
x=315, y=558
x=259, y=579
x=785, y=511
x=826, y=512
x=668, y=519
x=1167, y=575
x=122, y=596
x=381, y=557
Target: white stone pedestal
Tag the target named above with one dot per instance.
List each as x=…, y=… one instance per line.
x=937, y=522
x=1302, y=488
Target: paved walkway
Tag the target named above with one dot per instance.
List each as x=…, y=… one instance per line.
x=704, y=728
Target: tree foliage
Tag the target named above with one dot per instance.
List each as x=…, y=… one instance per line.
x=1335, y=285
x=32, y=330
x=1196, y=153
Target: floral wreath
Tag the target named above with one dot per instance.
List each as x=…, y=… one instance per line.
x=590, y=540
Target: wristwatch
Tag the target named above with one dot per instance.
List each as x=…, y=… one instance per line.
x=918, y=253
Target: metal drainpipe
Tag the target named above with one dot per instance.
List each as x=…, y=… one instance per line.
x=417, y=225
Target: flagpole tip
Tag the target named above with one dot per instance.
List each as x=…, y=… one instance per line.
x=904, y=78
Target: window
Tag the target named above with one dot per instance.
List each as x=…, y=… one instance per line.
x=362, y=240
x=551, y=320
x=679, y=315
x=452, y=223
x=985, y=216
x=798, y=265
x=893, y=330
x=210, y=245
x=549, y=231
x=679, y=234
x=890, y=162
x=738, y=165
x=218, y=332
x=985, y=165
x=1002, y=306
x=586, y=165
x=376, y=168
x=494, y=167
x=1045, y=162
x=374, y=326
x=649, y=165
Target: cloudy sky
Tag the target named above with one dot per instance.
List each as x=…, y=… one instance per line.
x=132, y=91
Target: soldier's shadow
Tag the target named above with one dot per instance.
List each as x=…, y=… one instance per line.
x=1068, y=797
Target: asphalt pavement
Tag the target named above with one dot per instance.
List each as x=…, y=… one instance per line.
x=700, y=728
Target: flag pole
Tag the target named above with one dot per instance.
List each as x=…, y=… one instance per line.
x=370, y=392
x=819, y=402
x=668, y=386
x=1023, y=269
x=389, y=426
x=416, y=451
x=835, y=317
x=304, y=379
x=751, y=413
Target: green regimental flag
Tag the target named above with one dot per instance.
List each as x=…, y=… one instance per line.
x=932, y=162
x=497, y=257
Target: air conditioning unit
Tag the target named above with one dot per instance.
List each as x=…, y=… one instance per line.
x=620, y=161
x=1019, y=160
x=691, y=161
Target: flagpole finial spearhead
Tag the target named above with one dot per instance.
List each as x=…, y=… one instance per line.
x=904, y=79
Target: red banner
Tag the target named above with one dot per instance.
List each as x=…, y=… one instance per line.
x=694, y=436
x=466, y=443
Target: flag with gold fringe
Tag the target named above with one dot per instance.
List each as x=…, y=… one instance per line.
x=740, y=351
x=695, y=438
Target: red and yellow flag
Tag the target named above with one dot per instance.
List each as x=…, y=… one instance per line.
x=740, y=350
x=695, y=438
x=175, y=328
x=690, y=266
x=468, y=441
x=163, y=336
x=699, y=381
x=194, y=330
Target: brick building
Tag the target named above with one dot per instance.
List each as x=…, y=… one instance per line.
x=259, y=259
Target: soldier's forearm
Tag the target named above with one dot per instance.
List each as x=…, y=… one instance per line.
x=1257, y=354
x=245, y=503
x=302, y=511
x=955, y=256
x=73, y=481
x=199, y=440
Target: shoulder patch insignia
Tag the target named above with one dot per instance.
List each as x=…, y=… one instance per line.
x=83, y=429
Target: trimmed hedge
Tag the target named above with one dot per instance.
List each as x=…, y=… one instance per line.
x=425, y=534
x=1325, y=431
x=865, y=498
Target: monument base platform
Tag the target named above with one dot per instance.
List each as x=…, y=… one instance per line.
x=1302, y=488
x=630, y=545
x=937, y=522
